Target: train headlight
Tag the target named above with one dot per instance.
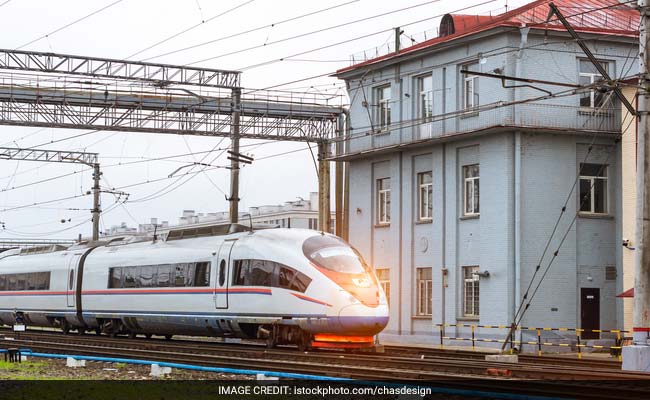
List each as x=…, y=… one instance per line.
x=361, y=282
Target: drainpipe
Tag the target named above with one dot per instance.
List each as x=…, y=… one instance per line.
x=445, y=271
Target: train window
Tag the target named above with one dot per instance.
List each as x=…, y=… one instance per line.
x=181, y=276
x=222, y=273
x=300, y=282
x=164, y=274
x=22, y=280
x=115, y=278
x=262, y=272
x=26, y=281
x=202, y=274
x=43, y=281
x=286, y=276
x=12, y=282
x=269, y=274
x=71, y=283
x=129, y=277
x=147, y=276
x=30, y=282
x=240, y=271
x=332, y=253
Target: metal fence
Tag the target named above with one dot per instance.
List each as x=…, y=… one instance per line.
x=537, y=116
x=538, y=344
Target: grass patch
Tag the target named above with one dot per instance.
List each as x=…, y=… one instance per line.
x=22, y=366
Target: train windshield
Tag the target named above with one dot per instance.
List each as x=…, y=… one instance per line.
x=332, y=253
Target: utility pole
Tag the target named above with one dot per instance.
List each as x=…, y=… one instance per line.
x=637, y=356
x=324, y=215
x=338, y=181
x=234, y=161
x=96, y=199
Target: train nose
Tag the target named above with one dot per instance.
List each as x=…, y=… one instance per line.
x=361, y=320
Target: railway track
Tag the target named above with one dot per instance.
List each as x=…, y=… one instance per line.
x=453, y=370
x=524, y=358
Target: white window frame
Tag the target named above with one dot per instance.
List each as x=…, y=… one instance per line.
x=592, y=182
x=423, y=301
x=471, y=282
x=469, y=184
x=383, y=201
x=593, y=77
x=469, y=89
x=383, y=107
x=384, y=282
x=425, y=99
x=425, y=197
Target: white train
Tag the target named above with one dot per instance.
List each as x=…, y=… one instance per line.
x=288, y=286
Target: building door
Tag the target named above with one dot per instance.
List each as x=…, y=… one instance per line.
x=222, y=281
x=590, y=312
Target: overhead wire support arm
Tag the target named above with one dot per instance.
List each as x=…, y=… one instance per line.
x=75, y=157
x=591, y=57
x=159, y=74
x=26, y=154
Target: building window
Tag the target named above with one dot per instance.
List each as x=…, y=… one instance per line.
x=383, y=107
x=383, y=276
x=471, y=195
x=425, y=196
x=588, y=76
x=470, y=291
x=593, y=189
x=425, y=98
x=383, y=201
x=470, y=88
x=424, y=291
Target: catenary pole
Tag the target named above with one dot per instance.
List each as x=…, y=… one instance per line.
x=96, y=201
x=637, y=356
x=642, y=261
x=234, y=161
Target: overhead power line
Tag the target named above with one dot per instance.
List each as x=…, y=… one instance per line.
x=175, y=35
x=591, y=10
x=274, y=24
x=267, y=44
x=70, y=24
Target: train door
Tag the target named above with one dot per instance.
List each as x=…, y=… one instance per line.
x=222, y=281
x=71, y=282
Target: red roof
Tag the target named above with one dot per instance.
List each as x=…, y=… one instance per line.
x=627, y=293
x=590, y=16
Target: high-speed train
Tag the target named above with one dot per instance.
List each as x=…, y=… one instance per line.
x=287, y=286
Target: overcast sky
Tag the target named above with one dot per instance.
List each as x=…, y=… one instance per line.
x=127, y=27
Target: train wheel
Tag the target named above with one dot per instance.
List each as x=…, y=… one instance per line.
x=98, y=331
x=148, y=335
x=132, y=335
x=81, y=331
x=270, y=343
x=168, y=337
x=65, y=328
